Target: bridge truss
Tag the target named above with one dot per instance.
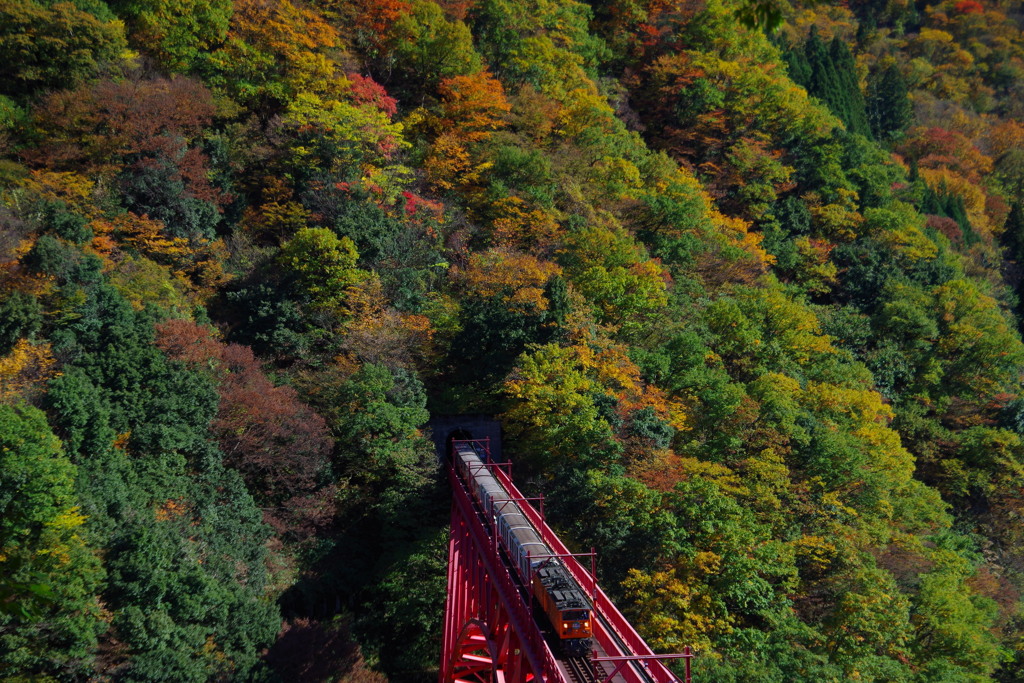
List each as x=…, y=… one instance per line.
x=491, y=634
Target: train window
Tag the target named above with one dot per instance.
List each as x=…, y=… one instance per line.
x=574, y=615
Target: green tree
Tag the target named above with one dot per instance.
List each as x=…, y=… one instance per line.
x=183, y=538
x=613, y=272
x=176, y=32
x=159, y=191
x=554, y=411
x=869, y=629
x=53, y=45
x=49, y=577
x=889, y=109
x=614, y=513
x=323, y=266
x=852, y=107
x=403, y=617
x=342, y=139
x=20, y=316
x=952, y=625
x=432, y=48
x=830, y=74
x=1013, y=233
x=392, y=512
x=726, y=572
x=270, y=320
x=376, y=415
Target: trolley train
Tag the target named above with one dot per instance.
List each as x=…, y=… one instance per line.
x=561, y=599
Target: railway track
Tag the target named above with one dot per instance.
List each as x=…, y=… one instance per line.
x=582, y=670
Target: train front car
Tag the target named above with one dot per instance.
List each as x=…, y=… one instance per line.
x=566, y=607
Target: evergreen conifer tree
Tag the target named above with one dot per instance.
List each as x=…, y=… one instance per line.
x=851, y=108
x=829, y=73
x=888, y=107
x=1013, y=235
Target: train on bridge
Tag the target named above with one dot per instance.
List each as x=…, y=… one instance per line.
x=562, y=600
x=521, y=608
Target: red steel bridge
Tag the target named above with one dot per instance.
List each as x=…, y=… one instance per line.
x=493, y=632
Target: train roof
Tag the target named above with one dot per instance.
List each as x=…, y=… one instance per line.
x=561, y=587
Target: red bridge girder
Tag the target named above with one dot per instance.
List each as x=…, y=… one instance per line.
x=490, y=633
x=614, y=634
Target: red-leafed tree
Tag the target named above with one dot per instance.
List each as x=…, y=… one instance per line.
x=373, y=21
x=968, y=7
x=365, y=90
x=279, y=445
x=108, y=125
x=937, y=148
x=108, y=119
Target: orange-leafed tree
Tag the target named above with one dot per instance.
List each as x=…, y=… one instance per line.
x=516, y=279
x=472, y=107
x=275, y=50
x=473, y=104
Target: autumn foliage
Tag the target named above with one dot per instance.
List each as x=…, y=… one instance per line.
x=278, y=444
x=741, y=281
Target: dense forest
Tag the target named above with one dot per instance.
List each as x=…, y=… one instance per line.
x=742, y=280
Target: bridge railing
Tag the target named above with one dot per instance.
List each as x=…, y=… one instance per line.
x=625, y=632
x=517, y=606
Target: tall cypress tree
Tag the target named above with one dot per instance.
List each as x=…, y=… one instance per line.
x=953, y=206
x=850, y=97
x=889, y=109
x=1013, y=244
x=822, y=83
x=1013, y=234
x=829, y=73
x=799, y=68
x=930, y=203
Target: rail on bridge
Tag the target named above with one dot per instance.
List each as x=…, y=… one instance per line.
x=491, y=633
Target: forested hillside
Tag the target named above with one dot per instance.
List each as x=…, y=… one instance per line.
x=741, y=279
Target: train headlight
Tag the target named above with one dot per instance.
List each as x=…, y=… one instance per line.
x=565, y=626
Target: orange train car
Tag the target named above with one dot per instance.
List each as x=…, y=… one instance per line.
x=565, y=605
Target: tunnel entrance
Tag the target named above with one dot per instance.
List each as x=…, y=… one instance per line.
x=456, y=435
x=447, y=428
